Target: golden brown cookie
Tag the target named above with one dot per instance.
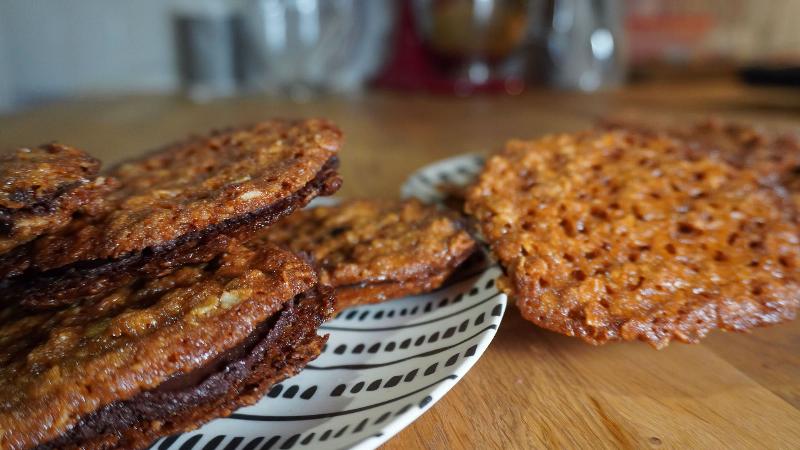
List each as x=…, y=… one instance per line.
x=179, y=206
x=41, y=188
x=773, y=154
x=371, y=250
x=621, y=236
x=161, y=356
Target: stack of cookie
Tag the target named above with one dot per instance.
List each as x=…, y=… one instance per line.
x=652, y=235
x=156, y=297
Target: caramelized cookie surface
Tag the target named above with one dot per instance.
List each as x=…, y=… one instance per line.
x=57, y=367
x=622, y=236
x=41, y=188
x=774, y=155
x=372, y=250
x=179, y=205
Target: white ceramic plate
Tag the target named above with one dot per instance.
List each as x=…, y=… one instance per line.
x=384, y=365
x=426, y=182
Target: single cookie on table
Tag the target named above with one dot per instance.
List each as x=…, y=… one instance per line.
x=42, y=188
x=159, y=357
x=613, y=236
x=373, y=250
x=177, y=206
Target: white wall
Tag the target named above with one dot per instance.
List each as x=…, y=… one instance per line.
x=55, y=48
x=6, y=92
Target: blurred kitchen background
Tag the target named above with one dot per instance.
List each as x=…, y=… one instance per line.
x=53, y=50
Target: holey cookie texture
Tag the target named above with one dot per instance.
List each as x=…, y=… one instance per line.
x=160, y=356
x=179, y=205
x=773, y=154
x=614, y=236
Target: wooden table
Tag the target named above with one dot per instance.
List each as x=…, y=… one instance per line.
x=532, y=388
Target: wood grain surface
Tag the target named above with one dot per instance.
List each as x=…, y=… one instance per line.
x=532, y=388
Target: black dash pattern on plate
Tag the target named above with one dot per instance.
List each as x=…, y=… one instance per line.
x=385, y=381
x=389, y=312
